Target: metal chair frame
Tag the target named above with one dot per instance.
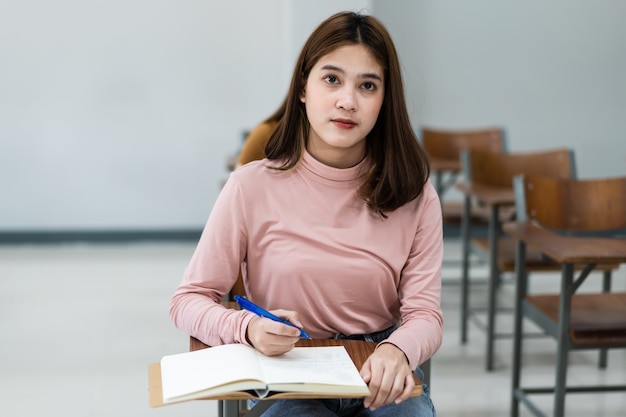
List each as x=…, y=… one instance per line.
x=497, y=171
x=526, y=306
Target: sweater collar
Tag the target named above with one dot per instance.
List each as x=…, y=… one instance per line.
x=312, y=165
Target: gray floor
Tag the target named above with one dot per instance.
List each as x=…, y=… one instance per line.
x=80, y=323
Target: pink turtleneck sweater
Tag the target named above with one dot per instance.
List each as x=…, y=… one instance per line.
x=307, y=242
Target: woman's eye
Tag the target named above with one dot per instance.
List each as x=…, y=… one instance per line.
x=331, y=79
x=369, y=86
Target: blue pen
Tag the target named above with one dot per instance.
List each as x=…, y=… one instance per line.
x=250, y=306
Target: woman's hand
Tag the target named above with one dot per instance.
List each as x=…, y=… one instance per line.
x=388, y=376
x=271, y=337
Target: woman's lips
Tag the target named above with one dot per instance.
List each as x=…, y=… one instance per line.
x=344, y=123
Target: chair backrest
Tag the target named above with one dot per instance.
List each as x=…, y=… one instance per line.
x=447, y=144
x=498, y=170
x=589, y=205
x=238, y=288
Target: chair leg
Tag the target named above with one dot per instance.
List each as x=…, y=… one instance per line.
x=228, y=408
x=259, y=408
x=493, y=285
x=439, y=184
x=465, y=232
x=606, y=287
x=565, y=301
x=425, y=367
x=520, y=293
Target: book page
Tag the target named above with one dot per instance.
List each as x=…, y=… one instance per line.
x=192, y=372
x=311, y=365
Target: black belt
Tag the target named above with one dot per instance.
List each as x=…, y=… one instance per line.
x=369, y=337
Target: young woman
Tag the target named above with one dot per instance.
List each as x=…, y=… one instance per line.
x=338, y=230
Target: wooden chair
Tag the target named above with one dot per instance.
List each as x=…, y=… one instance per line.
x=489, y=182
x=581, y=225
x=443, y=147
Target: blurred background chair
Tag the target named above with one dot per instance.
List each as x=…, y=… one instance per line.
x=443, y=147
x=489, y=184
x=581, y=225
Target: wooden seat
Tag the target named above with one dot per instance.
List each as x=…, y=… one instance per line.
x=489, y=183
x=572, y=222
x=443, y=147
x=535, y=260
x=594, y=317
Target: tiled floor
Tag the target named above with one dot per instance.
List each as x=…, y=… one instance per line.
x=80, y=323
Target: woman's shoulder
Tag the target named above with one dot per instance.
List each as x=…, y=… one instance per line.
x=248, y=169
x=429, y=192
x=428, y=197
x=255, y=172
x=257, y=180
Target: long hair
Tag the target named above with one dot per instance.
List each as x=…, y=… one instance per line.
x=399, y=166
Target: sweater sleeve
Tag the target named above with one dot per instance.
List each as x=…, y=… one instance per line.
x=421, y=329
x=213, y=269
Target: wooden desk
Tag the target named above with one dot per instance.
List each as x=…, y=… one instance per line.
x=358, y=350
x=492, y=196
x=445, y=165
x=568, y=325
x=231, y=405
x=445, y=173
x=439, y=167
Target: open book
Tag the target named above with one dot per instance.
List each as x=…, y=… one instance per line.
x=325, y=371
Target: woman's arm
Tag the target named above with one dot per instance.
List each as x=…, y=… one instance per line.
x=389, y=370
x=195, y=306
x=421, y=330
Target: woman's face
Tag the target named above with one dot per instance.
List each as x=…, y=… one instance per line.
x=343, y=96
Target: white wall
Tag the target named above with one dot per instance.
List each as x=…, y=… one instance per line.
x=121, y=114
x=552, y=73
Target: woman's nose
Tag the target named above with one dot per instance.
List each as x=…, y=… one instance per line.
x=347, y=100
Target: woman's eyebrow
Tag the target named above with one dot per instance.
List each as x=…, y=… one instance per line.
x=365, y=75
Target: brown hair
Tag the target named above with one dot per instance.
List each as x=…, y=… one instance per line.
x=399, y=167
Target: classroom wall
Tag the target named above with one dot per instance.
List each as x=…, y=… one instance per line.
x=121, y=114
x=552, y=73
